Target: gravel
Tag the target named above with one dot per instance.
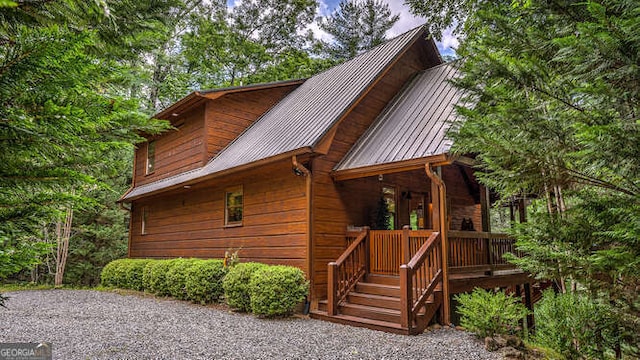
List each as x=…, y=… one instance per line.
x=85, y=324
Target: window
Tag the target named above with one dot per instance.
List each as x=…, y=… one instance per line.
x=143, y=223
x=389, y=195
x=151, y=157
x=233, y=200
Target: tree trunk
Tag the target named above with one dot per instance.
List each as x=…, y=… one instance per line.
x=63, y=233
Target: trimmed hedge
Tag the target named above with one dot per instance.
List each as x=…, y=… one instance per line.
x=236, y=285
x=154, y=277
x=176, y=277
x=124, y=273
x=276, y=290
x=263, y=289
x=203, y=281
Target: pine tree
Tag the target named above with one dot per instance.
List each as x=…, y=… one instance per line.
x=357, y=26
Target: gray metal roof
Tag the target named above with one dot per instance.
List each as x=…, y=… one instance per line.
x=412, y=126
x=302, y=118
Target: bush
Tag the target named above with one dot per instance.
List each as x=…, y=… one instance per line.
x=124, y=273
x=486, y=313
x=203, y=281
x=176, y=279
x=576, y=326
x=276, y=290
x=236, y=285
x=154, y=278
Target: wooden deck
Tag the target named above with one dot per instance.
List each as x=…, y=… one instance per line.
x=396, y=281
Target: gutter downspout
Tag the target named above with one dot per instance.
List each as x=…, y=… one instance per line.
x=307, y=174
x=442, y=200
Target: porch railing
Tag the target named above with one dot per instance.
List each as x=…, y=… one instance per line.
x=418, y=281
x=344, y=273
x=471, y=251
x=392, y=248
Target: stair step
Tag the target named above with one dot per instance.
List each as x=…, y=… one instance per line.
x=373, y=300
x=383, y=279
x=378, y=289
x=370, y=312
x=361, y=322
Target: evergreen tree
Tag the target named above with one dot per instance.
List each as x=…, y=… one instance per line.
x=357, y=26
x=555, y=94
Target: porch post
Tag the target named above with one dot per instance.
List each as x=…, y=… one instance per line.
x=485, y=204
x=442, y=225
x=406, y=245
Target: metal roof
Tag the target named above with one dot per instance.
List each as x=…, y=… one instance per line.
x=413, y=125
x=300, y=120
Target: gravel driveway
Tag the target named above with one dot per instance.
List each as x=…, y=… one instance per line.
x=84, y=324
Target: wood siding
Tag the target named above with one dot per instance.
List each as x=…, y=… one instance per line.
x=331, y=210
x=176, y=151
x=229, y=116
x=190, y=222
x=460, y=200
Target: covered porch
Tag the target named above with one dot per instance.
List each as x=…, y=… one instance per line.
x=401, y=278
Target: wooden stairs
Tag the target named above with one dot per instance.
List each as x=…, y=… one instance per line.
x=375, y=303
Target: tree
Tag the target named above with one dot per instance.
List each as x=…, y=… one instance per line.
x=357, y=26
x=553, y=102
x=59, y=116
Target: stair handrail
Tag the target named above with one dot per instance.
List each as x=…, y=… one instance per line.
x=344, y=273
x=420, y=277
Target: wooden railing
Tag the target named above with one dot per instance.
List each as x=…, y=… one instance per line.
x=418, y=281
x=392, y=248
x=344, y=273
x=479, y=251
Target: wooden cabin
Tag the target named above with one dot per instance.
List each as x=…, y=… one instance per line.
x=346, y=175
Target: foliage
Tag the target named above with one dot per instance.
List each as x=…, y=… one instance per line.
x=488, y=313
x=552, y=102
x=125, y=273
x=176, y=277
x=204, y=281
x=576, y=326
x=236, y=285
x=357, y=26
x=382, y=215
x=154, y=277
x=276, y=290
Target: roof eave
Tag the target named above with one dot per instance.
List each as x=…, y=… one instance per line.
x=393, y=167
x=191, y=182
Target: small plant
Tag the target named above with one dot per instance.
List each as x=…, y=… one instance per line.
x=236, y=285
x=487, y=313
x=276, y=290
x=231, y=258
x=203, y=281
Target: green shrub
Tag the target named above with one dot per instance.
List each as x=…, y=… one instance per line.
x=486, y=313
x=276, y=290
x=124, y=273
x=134, y=272
x=236, y=285
x=576, y=326
x=203, y=281
x=154, y=277
x=176, y=278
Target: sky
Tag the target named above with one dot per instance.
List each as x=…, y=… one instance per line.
x=407, y=22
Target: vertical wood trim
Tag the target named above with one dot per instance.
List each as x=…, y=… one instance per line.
x=332, y=306
x=529, y=304
x=441, y=191
x=130, y=229
x=406, y=246
x=521, y=211
x=309, y=199
x=205, y=132
x=485, y=204
x=405, y=297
